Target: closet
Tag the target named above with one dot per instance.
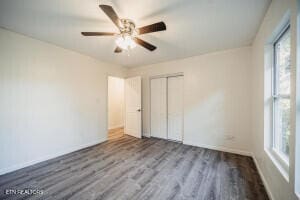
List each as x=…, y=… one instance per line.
x=167, y=107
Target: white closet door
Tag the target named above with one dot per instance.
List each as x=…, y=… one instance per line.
x=175, y=108
x=159, y=108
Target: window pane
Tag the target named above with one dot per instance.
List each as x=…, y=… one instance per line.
x=282, y=89
x=283, y=65
x=283, y=125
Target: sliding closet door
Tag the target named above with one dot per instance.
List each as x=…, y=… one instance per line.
x=159, y=108
x=175, y=108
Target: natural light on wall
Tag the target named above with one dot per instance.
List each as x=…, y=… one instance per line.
x=297, y=143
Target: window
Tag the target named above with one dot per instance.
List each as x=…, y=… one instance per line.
x=281, y=90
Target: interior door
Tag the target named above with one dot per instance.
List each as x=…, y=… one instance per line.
x=133, y=109
x=158, y=108
x=175, y=108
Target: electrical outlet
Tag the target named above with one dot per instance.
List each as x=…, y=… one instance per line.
x=229, y=137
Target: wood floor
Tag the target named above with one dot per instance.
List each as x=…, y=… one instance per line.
x=130, y=168
x=115, y=133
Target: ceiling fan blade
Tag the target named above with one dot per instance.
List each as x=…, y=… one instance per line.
x=97, y=33
x=160, y=26
x=109, y=11
x=145, y=44
x=118, y=50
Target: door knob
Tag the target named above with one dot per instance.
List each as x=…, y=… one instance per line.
x=139, y=110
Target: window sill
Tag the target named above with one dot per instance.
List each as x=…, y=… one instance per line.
x=298, y=195
x=280, y=164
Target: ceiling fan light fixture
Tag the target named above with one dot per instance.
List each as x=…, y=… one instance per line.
x=127, y=36
x=125, y=42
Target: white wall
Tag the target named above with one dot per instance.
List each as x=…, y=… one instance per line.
x=115, y=102
x=52, y=100
x=297, y=136
x=216, y=98
x=274, y=181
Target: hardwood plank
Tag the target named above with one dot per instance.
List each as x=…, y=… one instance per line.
x=131, y=168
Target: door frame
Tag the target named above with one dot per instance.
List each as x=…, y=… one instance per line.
x=107, y=102
x=166, y=76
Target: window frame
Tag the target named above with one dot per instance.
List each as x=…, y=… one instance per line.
x=279, y=156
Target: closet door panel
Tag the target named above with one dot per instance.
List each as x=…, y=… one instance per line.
x=159, y=108
x=175, y=108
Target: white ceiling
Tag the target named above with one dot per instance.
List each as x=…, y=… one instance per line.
x=193, y=26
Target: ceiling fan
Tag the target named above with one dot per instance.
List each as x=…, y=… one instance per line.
x=127, y=37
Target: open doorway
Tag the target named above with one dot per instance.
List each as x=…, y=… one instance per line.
x=115, y=107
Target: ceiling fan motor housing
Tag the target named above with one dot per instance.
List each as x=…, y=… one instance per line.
x=128, y=27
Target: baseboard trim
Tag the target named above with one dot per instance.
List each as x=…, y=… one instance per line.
x=146, y=135
x=271, y=197
x=225, y=149
x=240, y=152
x=48, y=157
x=115, y=127
x=219, y=148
